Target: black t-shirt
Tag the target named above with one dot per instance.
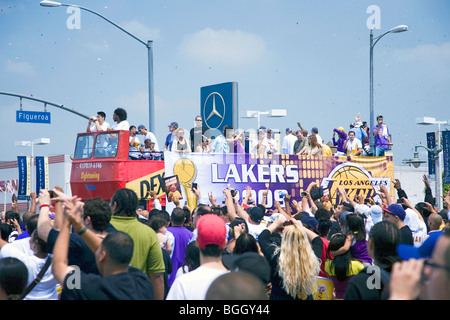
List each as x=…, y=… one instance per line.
x=363, y=286
x=406, y=236
x=196, y=136
x=131, y=285
x=335, y=228
x=79, y=253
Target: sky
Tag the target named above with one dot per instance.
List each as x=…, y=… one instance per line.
x=308, y=57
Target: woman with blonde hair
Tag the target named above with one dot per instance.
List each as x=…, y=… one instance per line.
x=313, y=147
x=294, y=266
x=180, y=144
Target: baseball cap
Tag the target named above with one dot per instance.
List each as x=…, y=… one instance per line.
x=396, y=210
x=375, y=212
x=288, y=129
x=141, y=126
x=310, y=222
x=173, y=124
x=314, y=129
x=406, y=252
x=256, y=214
x=211, y=229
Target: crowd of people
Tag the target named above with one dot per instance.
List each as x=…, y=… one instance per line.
x=351, y=142
x=67, y=248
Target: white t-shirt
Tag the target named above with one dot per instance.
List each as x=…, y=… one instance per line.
x=353, y=146
x=263, y=147
x=134, y=154
x=272, y=145
x=152, y=137
x=23, y=245
x=194, y=285
x=46, y=288
x=417, y=226
x=288, y=144
x=255, y=229
x=104, y=127
x=122, y=125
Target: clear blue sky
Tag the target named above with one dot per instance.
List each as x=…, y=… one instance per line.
x=309, y=57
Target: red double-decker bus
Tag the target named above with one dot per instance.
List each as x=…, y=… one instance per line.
x=101, y=165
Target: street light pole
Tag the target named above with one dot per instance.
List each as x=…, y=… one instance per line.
x=436, y=154
x=397, y=29
x=148, y=44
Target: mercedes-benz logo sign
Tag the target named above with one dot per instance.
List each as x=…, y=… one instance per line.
x=214, y=110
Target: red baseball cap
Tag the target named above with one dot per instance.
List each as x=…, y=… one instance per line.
x=211, y=229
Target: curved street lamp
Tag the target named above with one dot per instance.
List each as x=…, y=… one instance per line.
x=373, y=42
x=148, y=44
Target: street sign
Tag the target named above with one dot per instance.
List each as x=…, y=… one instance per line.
x=32, y=116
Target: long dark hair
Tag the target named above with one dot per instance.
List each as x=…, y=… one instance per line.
x=385, y=236
x=192, y=257
x=356, y=226
x=342, y=262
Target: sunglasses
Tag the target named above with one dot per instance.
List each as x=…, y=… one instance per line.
x=431, y=264
x=435, y=265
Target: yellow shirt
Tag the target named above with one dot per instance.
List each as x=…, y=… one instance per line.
x=355, y=267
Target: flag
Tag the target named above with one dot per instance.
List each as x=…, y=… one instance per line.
x=41, y=174
x=24, y=165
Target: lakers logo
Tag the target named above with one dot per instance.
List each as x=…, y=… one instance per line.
x=355, y=179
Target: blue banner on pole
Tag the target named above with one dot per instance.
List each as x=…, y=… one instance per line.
x=446, y=154
x=24, y=165
x=41, y=173
x=33, y=116
x=431, y=144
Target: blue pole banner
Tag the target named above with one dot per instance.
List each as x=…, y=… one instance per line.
x=431, y=144
x=24, y=165
x=41, y=173
x=446, y=154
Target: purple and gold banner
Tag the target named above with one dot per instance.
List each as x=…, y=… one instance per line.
x=279, y=174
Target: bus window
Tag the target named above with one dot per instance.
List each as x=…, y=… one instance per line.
x=106, y=145
x=83, y=149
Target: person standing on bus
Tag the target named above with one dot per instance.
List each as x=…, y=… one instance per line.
x=120, y=120
x=98, y=123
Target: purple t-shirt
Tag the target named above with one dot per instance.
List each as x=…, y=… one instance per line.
x=381, y=139
x=359, y=251
x=182, y=237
